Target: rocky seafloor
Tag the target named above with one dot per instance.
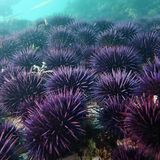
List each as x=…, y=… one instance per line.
x=72, y=89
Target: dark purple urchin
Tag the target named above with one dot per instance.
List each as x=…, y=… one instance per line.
x=25, y=86
x=27, y=58
x=8, y=73
x=151, y=67
x=147, y=44
x=77, y=49
x=87, y=53
x=4, y=62
x=111, y=116
x=126, y=153
x=121, y=83
x=86, y=36
x=7, y=149
x=8, y=47
x=110, y=38
x=155, y=28
x=150, y=79
x=33, y=38
x=61, y=36
x=9, y=130
x=55, y=58
x=103, y=25
x=9, y=142
x=56, y=126
x=142, y=124
x=153, y=24
x=77, y=26
x=128, y=31
x=115, y=58
x=28, y=106
x=71, y=78
x=60, y=20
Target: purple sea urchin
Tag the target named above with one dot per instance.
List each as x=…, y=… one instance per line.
x=122, y=84
x=56, y=125
x=61, y=36
x=150, y=79
x=154, y=66
x=8, y=47
x=8, y=142
x=111, y=117
x=87, y=53
x=128, y=31
x=103, y=25
x=60, y=57
x=110, y=38
x=72, y=79
x=25, y=86
x=147, y=44
x=115, y=58
x=28, y=106
x=27, y=58
x=4, y=62
x=9, y=72
x=77, y=26
x=86, y=37
x=142, y=124
x=33, y=38
x=9, y=130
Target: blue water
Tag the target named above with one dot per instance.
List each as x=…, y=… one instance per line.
x=82, y=9
x=35, y=9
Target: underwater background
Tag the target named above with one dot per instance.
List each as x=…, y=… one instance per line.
x=79, y=80
x=14, y=11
